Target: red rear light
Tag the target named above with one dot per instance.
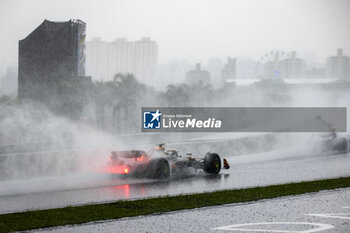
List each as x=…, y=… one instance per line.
x=117, y=169
x=140, y=158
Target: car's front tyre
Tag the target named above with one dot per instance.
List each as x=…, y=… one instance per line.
x=212, y=163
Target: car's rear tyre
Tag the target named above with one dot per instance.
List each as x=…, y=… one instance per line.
x=159, y=168
x=340, y=144
x=212, y=163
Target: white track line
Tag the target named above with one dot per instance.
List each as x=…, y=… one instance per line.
x=237, y=227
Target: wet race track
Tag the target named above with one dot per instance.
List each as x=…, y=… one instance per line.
x=247, y=170
x=327, y=211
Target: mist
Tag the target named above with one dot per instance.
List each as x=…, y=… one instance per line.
x=36, y=143
x=70, y=141
x=193, y=30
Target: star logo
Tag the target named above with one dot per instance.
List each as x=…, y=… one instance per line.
x=152, y=119
x=156, y=115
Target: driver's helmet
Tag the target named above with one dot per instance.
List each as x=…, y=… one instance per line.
x=160, y=147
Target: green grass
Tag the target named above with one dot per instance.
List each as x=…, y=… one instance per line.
x=81, y=214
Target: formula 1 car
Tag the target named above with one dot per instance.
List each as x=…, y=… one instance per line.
x=159, y=163
x=335, y=143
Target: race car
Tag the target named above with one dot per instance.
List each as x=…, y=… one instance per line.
x=335, y=143
x=159, y=163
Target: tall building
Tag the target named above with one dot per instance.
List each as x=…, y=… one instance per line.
x=228, y=72
x=97, y=59
x=146, y=55
x=338, y=66
x=106, y=59
x=198, y=76
x=121, y=58
x=293, y=67
x=9, y=82
x=288, y=68
x=51, y=66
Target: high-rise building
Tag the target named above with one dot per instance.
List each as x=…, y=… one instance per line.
x=146, y=55
x=121, y=58
x=291, y=67
x=106, y=59
x=97, y=59
x=338, y=66
x=52, y=66
x=9, y=82
x=228, y=72
x=198, y=76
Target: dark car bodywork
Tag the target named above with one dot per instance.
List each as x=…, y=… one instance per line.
x=161, y=163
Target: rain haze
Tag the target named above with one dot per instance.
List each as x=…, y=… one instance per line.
x=111, y=100
x=193, y=30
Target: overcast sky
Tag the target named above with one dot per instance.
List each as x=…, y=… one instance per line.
x=195, y=30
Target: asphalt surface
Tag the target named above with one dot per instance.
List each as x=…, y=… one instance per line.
x=273, y=167
x=327, y=211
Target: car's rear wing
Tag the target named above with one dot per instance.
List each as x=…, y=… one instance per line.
x=128, y=153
